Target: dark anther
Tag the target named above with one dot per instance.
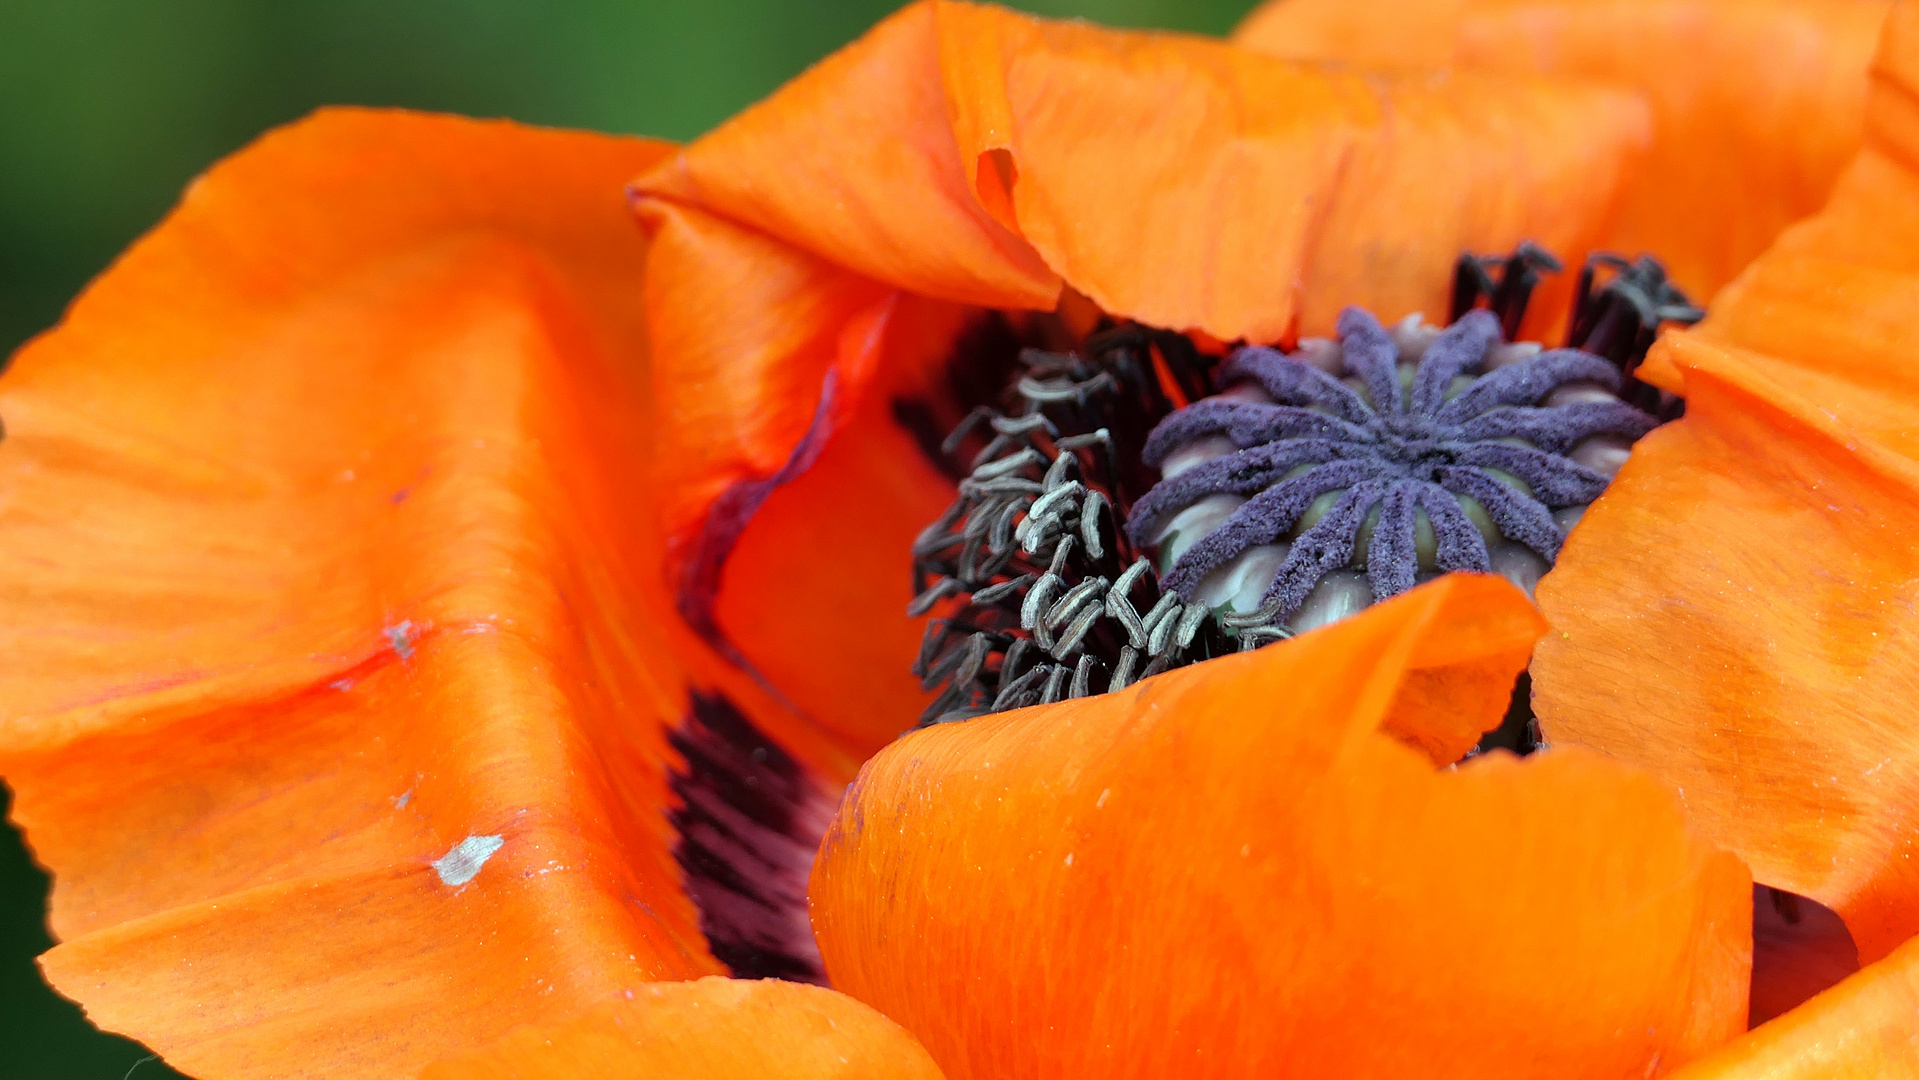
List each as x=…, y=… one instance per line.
x=940, y=589
x=1617, y=313
x=1508, y=294
x=1787, y=905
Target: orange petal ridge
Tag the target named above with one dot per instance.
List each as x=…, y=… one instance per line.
x=1757, y=104
x=1859, y=1030
x=1737, y=614
x=1230, y=870
x=710, y=1029
x=339, y=674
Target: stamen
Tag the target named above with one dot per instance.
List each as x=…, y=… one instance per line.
x=1619, y=319
x=1510, y=293
x=1048, y=587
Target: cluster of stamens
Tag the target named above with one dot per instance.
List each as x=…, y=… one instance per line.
x=1117, y=522
x=1056, y=601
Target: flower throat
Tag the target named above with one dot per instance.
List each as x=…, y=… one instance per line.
x=1114, y=521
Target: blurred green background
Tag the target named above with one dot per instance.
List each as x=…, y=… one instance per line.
x=108, y=108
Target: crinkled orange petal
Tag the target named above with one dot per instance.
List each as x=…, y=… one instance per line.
x=1756, y=103
x=710, y=1029
x=338, y=670
x=816, y=590
x=1457, y=685
x=1171, y=179
x=778, y=410
x=958, y=157
x=1861, y=1029
x=1464, y=162
x=1189, y=184
x=1229, y=871
x=754, y=326
x=1737, y=614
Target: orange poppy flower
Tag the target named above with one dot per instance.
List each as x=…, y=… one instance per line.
x=439, y=605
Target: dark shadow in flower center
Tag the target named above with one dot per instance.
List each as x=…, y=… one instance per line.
x=1799, y=948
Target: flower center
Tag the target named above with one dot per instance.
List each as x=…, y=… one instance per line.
x=1057, y=601
x=1351, y=470
x=1113, y=527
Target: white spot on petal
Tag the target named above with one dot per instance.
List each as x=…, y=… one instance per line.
x=402, y=638
x=460, y=865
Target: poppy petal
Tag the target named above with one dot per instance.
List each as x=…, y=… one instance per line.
x=1470, y=163
x=777, y=412
x=1189, y=184
x=1171, y=179
x=1860, y=1028
x=754, y=327
x=1756, y=106
x=962, y=157
x=1230, y=871
x=816, y=590
x=1736, y=614
x=339, y=683
x=1453, y=682
x=709, y=1029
